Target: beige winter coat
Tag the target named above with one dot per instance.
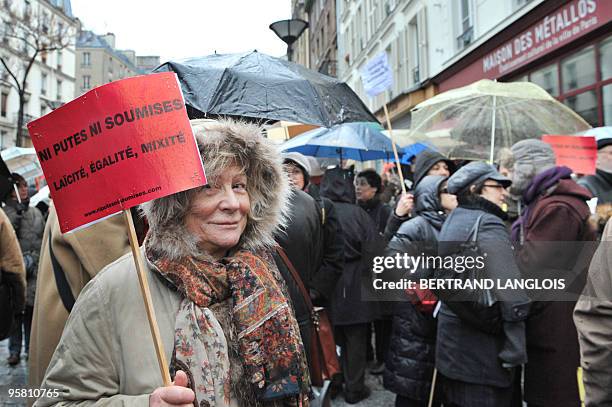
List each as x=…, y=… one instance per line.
x=11, y=260
x=106, y=353
x=81, y=254
x=593, y=319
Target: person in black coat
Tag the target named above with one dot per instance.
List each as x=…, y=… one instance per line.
x=368, y=186
x=411, y=356
x=477, y=352
x=313, y=238
x=350, y=314
x=427, y=162
x=314, y=245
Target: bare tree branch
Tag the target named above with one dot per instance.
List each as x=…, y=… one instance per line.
x=29, y=33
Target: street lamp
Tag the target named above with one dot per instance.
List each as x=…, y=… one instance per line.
x=289, y=31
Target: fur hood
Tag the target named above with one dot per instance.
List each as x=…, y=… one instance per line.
x=223, y=143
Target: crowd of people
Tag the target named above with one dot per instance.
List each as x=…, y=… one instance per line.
x=234, y=324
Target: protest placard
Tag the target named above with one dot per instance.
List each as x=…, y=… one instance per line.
x=576, y=152
x=377, y=76
x=115, y=147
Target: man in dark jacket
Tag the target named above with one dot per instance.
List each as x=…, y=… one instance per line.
x=554, y=210
x=29, y=225
x=600, y=183
x=350, y=314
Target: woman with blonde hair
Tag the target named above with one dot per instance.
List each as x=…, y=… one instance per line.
x=224, y=316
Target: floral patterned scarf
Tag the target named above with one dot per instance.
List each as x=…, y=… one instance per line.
x=268, y=336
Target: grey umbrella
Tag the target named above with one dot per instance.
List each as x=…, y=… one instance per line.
x=256, y=85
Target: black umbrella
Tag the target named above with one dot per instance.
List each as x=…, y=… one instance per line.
x=6, y=181
x=256, y=85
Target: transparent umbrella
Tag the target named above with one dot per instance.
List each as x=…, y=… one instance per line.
x=475, y=121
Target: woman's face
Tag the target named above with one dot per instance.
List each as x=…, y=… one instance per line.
x=364, y=191
x=296, y=176
x=218, y=213
x=447, y=201
x=439, y=168
x=495, y=192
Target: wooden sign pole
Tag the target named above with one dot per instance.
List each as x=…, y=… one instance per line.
x=146, y=295
x=397, y=161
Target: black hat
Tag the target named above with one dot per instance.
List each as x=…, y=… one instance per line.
x=474, y=173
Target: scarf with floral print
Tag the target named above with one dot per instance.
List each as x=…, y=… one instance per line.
x=268, y=336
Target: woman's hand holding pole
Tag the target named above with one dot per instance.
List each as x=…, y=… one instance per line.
x=176, y=394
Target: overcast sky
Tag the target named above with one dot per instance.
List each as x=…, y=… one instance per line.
x=184, y=28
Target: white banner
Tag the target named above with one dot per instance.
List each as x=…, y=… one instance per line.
x=377, y=76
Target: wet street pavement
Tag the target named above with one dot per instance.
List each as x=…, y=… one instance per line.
x=16, y=378
x=379, y=397
x=11, y=377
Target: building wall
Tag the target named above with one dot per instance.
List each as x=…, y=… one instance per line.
x=106, y=65
x=369, y=27
x=322, y=36
x=301, y=48
x=55, y=68
x=421, y=38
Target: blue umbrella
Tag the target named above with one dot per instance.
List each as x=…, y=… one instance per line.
x=357, y=141
x=412, y=150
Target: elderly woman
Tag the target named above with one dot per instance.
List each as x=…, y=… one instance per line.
x=225, y=320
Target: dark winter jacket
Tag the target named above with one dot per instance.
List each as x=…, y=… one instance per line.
x=360, y=236
x=29, y=226
x=425, y=160
x=464, y=352
x=600, y=185
x=314, y=243
x=560, y=215
x=378, y=211
x=411, y=356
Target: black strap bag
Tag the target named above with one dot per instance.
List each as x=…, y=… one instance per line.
x=474, y=305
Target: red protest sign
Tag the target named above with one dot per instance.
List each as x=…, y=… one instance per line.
x=117, y=146
x=577, y=152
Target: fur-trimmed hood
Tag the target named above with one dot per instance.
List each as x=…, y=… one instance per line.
x=222, y=143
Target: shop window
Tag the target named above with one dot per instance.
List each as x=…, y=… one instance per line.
x=605, y=59
x=585, y=104
x=547, y=78
x=578, y=70
x=607, y=105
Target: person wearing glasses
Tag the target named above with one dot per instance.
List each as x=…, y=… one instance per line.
x=479, y=346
